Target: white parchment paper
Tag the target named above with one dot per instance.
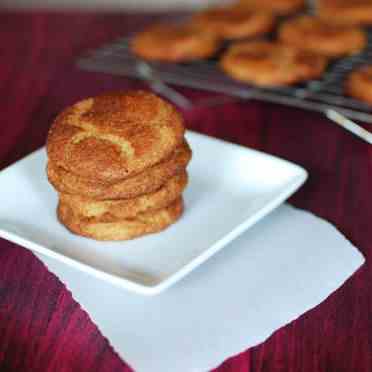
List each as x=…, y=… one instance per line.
x=282, y=267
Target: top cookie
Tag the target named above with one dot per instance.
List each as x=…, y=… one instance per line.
x=115, y=135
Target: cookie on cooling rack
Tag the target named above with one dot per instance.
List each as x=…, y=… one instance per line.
x=280, y=7
x=174, y=43
x=114, y=136
x=316, y=35
x=233, y=22
x=120, y=229
x=265, y=63
x=348, y=12
x=359, y=84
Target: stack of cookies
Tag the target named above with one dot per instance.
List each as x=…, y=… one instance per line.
x=118, y=162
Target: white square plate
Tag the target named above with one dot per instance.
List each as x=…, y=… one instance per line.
x=231, y=188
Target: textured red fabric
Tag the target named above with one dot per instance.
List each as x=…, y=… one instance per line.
x=43, y=329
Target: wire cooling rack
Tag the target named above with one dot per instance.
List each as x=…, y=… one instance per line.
x=316, y=95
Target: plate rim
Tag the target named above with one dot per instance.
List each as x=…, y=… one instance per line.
x=11, y=234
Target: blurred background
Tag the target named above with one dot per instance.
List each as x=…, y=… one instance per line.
x=128, y=5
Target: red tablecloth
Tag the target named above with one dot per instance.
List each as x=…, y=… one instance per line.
x=43, y=329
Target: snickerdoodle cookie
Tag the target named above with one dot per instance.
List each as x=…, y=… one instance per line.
x=267, y=63
x=318, y=36
x=359, y=84
x=127, y=208
x=280, y=7
x=347, y=12
x=121, y=229
x=232, y=22
x=174, y=43
x=145, y=182
x=114, y=136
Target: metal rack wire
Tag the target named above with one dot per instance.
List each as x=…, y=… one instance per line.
x=316, y=95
